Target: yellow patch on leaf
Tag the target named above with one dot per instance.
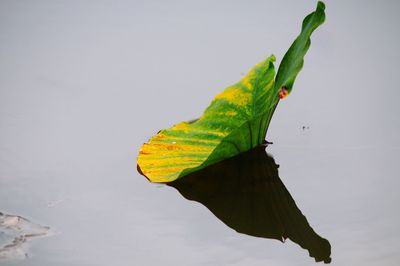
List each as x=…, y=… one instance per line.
x=235, y=96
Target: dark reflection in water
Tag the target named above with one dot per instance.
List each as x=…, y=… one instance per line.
x=246, y=193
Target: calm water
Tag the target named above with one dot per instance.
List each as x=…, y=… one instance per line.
x=83, y=85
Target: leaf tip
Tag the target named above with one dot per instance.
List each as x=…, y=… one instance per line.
x=321, y=5
x=321, y=11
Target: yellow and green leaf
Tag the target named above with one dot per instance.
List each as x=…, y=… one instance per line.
x=236, y=121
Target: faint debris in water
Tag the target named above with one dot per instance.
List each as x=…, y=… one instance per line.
x=53, y=203
x=15, y=232
x=266, y=143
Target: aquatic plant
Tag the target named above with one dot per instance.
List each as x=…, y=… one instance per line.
x=236, y=121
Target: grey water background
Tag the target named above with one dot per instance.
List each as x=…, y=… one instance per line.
x=84, y=83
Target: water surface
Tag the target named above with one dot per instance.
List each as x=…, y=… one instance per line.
x=84, y=84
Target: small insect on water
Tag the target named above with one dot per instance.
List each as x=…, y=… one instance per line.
x=283, y=92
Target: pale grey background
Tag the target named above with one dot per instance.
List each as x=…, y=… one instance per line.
x=84, y=83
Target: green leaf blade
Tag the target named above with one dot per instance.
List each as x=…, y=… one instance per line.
x=235, y=122
x=293, y=60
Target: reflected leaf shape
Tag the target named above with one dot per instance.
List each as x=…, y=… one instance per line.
x=246, y=193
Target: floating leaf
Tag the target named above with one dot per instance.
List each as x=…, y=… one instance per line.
x=236, y=121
